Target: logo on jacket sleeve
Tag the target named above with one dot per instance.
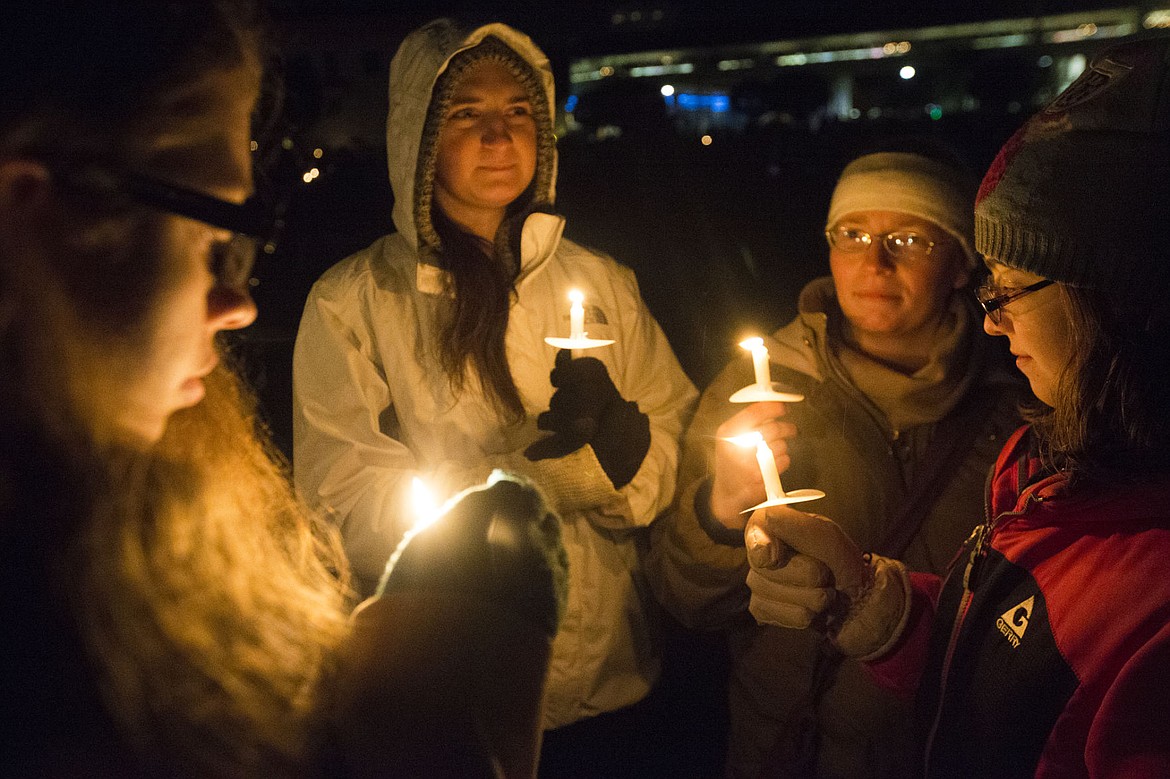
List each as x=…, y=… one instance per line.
x=1015, y=620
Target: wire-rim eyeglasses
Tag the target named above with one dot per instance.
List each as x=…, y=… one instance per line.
x=993, y=299
x=900, y=244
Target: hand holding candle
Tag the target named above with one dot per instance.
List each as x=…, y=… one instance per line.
x=499, y=540
x=765, y=459
x=773, y=488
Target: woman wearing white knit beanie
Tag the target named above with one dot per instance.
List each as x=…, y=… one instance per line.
x=905, y=407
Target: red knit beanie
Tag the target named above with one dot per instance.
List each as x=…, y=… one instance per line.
x=1081, y=193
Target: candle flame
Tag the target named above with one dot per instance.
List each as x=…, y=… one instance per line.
x=750, y=439
x=576, y=296
x=423, y=504
x=753, y=343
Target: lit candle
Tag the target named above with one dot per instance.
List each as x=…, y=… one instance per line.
x=423, y=505
x=576, y=315
x=766, y=460
x=759, y=361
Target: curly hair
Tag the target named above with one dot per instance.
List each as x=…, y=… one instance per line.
x=205, y=600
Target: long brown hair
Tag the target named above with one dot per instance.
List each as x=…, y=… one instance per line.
x=475, y=320
x=213, y=602
x=204, y=597
x=1111, y=414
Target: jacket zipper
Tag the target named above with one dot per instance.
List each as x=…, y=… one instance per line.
x=980, y=540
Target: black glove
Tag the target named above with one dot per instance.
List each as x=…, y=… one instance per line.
x=500, y=542
x=588, y=409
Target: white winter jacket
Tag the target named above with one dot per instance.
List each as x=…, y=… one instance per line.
x=372, y=408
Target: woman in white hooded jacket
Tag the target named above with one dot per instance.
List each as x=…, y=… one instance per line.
x=424, y=355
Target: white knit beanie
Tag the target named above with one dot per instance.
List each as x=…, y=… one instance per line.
x=912, y=184
x=1081, y=193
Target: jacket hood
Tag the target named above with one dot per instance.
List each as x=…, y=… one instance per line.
x=423, y=56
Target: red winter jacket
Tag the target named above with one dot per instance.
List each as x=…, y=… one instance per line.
x=1047, y=650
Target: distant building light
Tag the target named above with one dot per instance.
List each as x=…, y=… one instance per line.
x=1001, y=41
x=661, y=70
x=286, y=143
x=571, y=104
x=854, y=113
x=1070, y=36
x=605, y=70
x=716, y=104
x=1157, y=19
x=318, y=153
x=740, y=64
x=843, y=55
x=667, y=90
x=635, y=16
x=311, y=174
x=874, y=113
x=706, y=140
x=934, y=110
x=907, y=72
x=617, y=19
x=1045, y=61
x=582, y=76
x=254, y=146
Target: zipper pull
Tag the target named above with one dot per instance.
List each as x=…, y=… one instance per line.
x=978, y=541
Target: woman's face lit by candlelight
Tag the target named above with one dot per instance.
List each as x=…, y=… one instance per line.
x=1038, y=327
x=157, y=365
x=882, y=295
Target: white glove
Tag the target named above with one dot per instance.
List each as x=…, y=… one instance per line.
x=807, y=572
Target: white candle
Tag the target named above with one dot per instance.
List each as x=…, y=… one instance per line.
x=766, y=460
x=769, y=470
x=759, y=361
x=576, y=315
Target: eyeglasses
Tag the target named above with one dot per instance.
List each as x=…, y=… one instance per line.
x=993, y=299
x=900, y=244
x=252, y=223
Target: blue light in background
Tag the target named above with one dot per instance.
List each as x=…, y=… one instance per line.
x=571, y=104
x=716, y=104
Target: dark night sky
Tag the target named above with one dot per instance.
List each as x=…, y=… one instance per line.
x=582, y=27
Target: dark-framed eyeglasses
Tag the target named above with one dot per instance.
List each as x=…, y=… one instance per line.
x=993, y=298
x=253, y=224
x=899, y=244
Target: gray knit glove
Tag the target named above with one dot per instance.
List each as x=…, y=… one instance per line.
x=500, y=542
x=807, y=572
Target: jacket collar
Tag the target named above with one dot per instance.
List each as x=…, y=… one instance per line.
x=539, y=239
